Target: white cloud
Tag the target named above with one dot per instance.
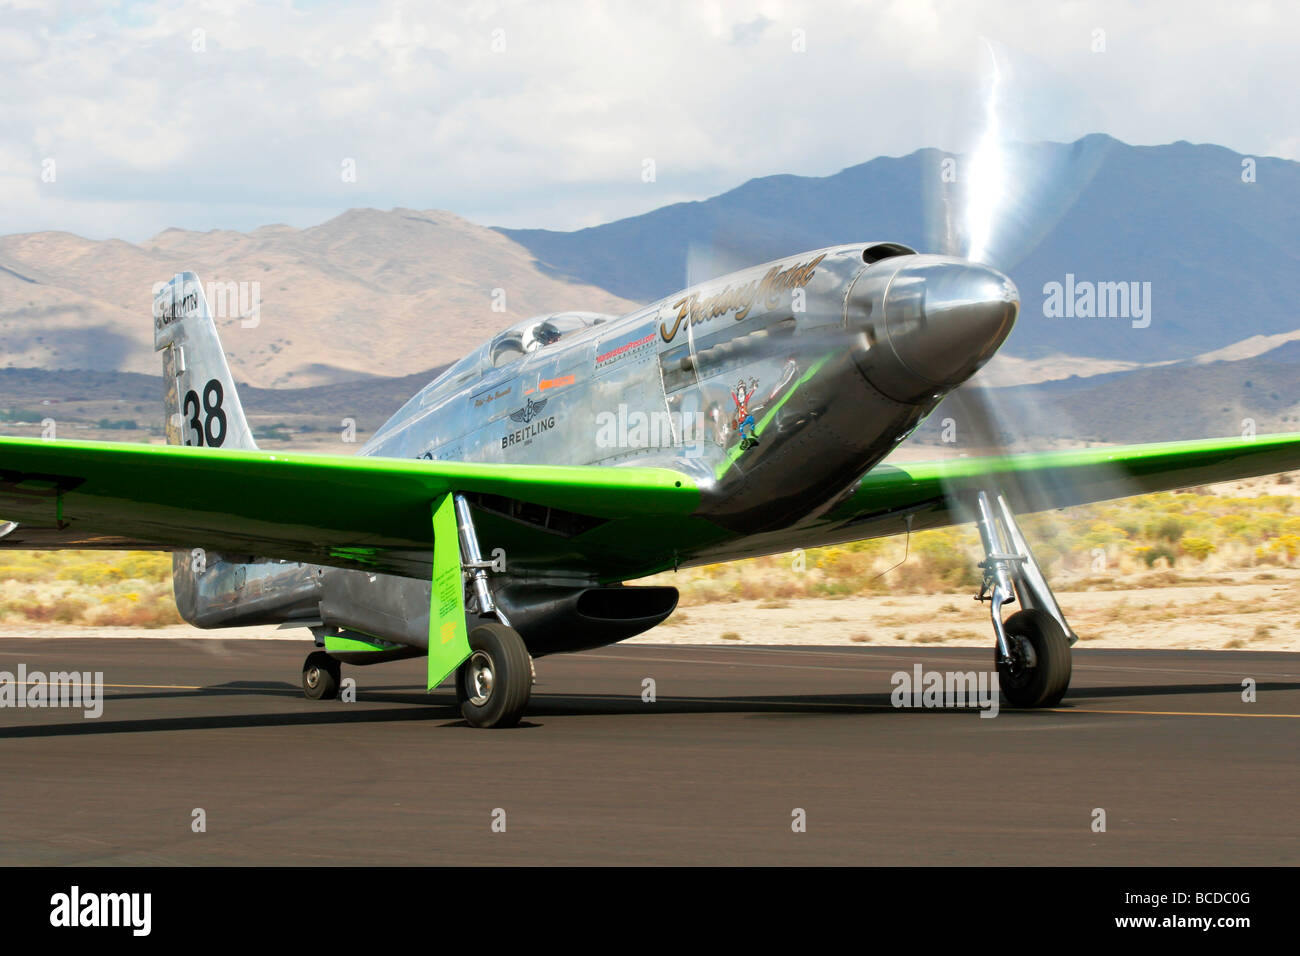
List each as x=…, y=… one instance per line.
x=552, y=129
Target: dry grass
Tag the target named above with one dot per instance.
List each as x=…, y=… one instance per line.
x=99, y=588
x=1153, y=541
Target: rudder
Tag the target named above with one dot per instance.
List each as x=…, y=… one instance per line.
x=200, y=400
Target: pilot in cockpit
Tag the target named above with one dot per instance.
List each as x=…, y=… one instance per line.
x=546, y=334
x=541, y=335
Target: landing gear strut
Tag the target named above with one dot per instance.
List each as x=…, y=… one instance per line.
x=494, y=683
x=1033, y=645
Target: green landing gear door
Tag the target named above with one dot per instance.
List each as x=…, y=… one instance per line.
x=448, y=642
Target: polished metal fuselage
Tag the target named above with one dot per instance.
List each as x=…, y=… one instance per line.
x=663, y=386
x=775, y=388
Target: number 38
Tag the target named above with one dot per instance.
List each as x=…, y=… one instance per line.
x=211, y=423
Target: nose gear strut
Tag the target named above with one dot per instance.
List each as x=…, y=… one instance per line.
x=1033, y=645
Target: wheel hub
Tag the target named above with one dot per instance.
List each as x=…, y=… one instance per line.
x=313, y=677
x=481, y=678
x=1023, y=660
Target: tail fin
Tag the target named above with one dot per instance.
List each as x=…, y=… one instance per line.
x=201, y=403
x=202, y=409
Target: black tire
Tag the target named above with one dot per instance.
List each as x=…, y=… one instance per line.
x=509, y=677
x=1044, y=682
x=320, y=676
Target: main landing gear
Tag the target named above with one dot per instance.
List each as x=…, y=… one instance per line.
x=320, y=676
x=494, y=683
x=1033, y=644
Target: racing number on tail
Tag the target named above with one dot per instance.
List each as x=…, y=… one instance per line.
x=212, y=425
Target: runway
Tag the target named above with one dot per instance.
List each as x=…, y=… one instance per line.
x=712, y=772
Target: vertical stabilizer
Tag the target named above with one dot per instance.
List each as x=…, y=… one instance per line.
x=200, y=401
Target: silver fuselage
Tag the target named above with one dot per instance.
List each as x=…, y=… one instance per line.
x=661, y=386
x=776, y=388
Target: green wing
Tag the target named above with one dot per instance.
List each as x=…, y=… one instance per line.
x=937, y=493
x=344, y=511
x=614, y=523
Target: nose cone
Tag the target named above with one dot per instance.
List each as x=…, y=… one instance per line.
x=943, y=319
x=946, y=319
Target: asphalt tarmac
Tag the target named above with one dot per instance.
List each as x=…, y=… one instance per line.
x=715, y=770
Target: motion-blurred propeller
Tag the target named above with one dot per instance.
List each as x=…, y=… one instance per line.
x=996, y=205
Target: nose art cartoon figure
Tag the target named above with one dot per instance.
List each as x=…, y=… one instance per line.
x=742, y=395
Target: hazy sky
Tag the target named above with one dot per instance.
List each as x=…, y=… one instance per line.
x=237, y=114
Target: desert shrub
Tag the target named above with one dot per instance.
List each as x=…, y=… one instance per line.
x=1283, y=549
x=147, y=566
x=91, y=573
x=1198, y=548
x=1167, y=528
x=1102, y=534
x=1149, y=554
x=19, y=568
x=944, y=556
x=842, y=565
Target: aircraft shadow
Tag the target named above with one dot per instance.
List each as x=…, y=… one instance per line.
x=417, y=695
x=417, y=705
x=336, y=714
x=595, y=704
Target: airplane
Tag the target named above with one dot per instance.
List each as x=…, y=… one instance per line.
x=496, y=517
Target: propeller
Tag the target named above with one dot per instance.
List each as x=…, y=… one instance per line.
x=992, y=205
x=1005, y=198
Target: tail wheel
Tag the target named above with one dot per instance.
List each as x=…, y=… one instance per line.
x=494, y=683
x=320, y=676
x=1039, y=672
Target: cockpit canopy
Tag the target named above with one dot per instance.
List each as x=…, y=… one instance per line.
x=537, y=333
x=521, y=339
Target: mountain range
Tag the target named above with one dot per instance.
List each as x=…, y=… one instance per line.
x=1221, y=254
x=367, y=293
x=369, y=302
